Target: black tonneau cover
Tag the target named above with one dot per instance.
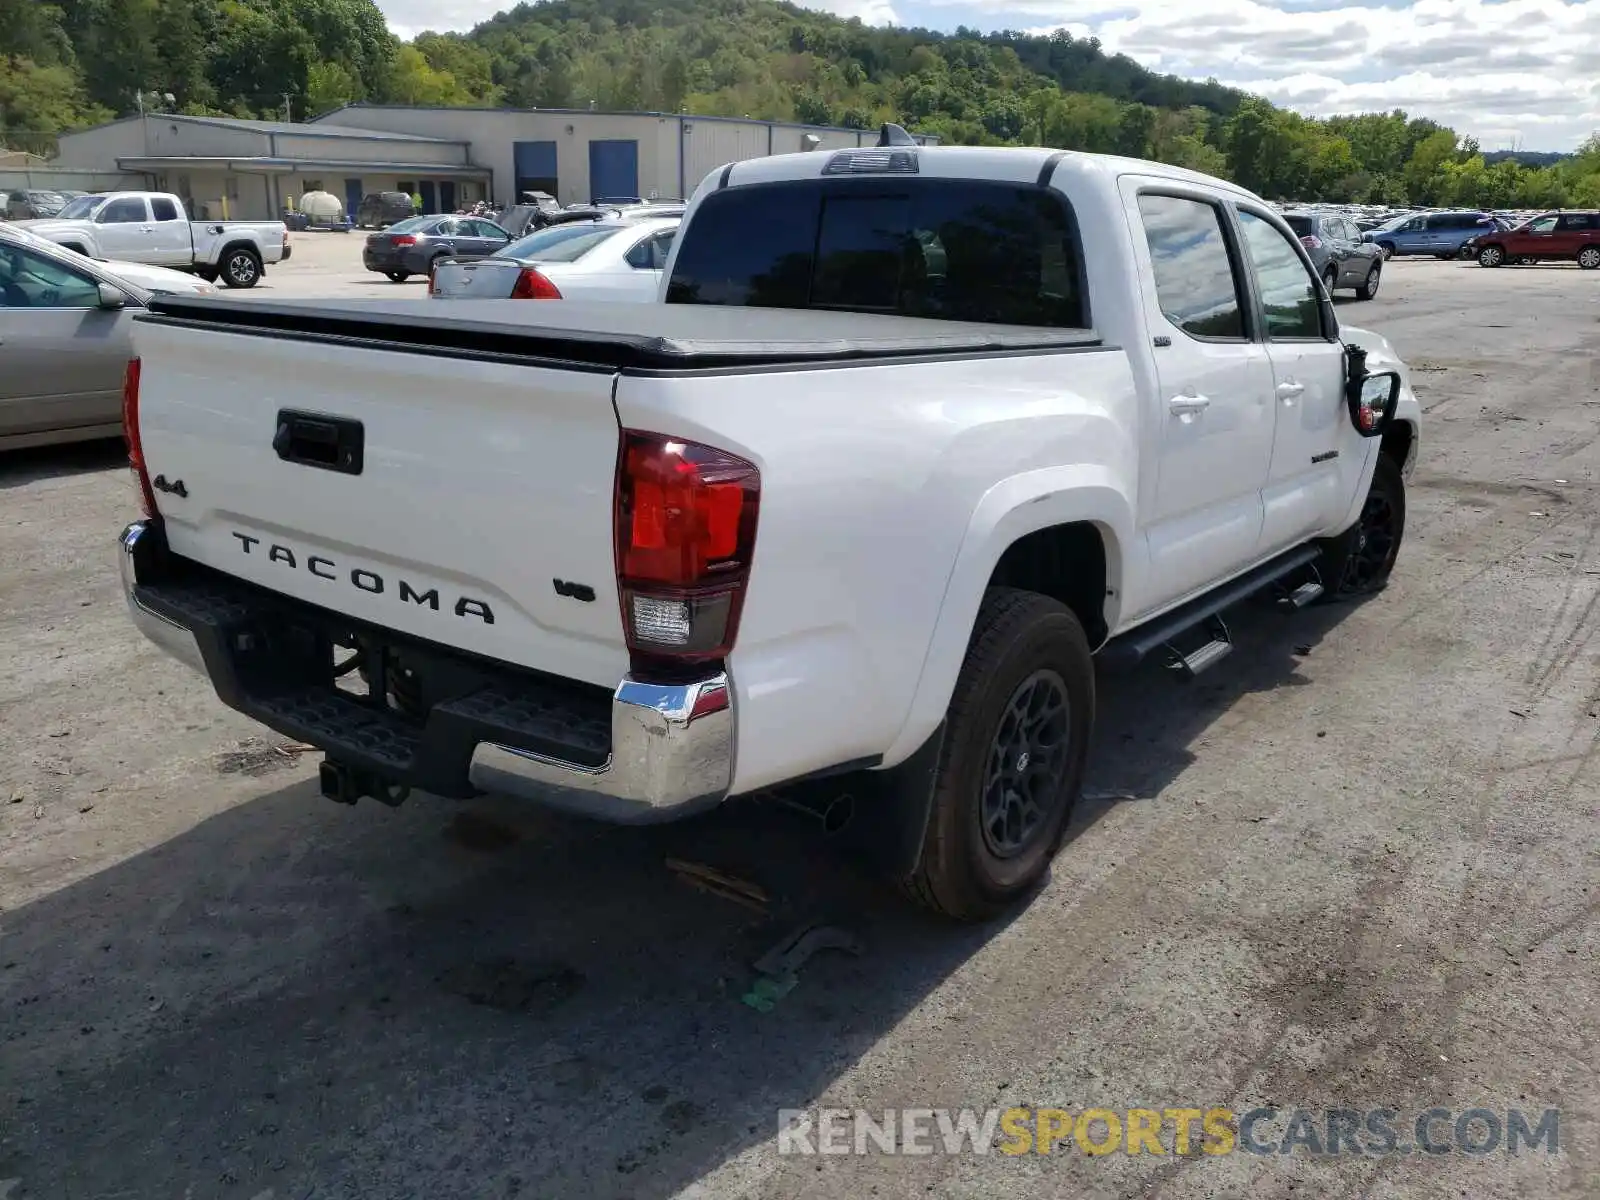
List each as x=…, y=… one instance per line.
x=616, y=336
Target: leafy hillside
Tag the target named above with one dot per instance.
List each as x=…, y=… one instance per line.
x=71, y=63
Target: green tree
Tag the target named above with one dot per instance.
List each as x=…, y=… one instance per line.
x=1425, y=175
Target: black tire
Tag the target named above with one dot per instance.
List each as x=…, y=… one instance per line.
x=1386, y=249
x=1589, y=257
x=1359, y=561
x=1491, y=256
x=1330, y=279
x=986, y=846
x=398, y=276
x=241, y=267
x=1369, y=285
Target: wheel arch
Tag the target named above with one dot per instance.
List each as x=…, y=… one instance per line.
x=1064, y=532
x=240, y=244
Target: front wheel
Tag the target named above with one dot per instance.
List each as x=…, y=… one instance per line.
x=1369, y=285
x=1015, y=744
x=1491, y=256
x=1360, y=560
x=1386, y=249
x=1589, y=257
x=241, y=269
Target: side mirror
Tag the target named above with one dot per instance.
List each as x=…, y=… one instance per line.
x=112, y=297
x=1373, y=399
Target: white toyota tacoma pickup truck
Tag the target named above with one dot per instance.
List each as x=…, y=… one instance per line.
x=152, y=228
x=916, y=435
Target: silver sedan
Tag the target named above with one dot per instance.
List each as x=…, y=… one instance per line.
x=65, y=340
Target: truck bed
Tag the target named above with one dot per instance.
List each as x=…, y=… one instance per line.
x=619, y=337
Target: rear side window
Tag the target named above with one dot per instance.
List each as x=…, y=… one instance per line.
x=561, y=243
x=1195, y=283
x=164, y=209
x=943, y=249
x=1578, y=221
x=1302, y=226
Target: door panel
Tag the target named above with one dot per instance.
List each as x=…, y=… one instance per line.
x=1214, y=402
x=535, y=165
x=172, y=244
x=124, y=229
x=613, y=169
x=1317, y=456
x=352, y=197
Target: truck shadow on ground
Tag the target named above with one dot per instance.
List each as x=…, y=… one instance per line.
x=478, y=999
x=18, y=468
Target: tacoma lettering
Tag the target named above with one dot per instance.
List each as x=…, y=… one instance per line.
x=374, y=584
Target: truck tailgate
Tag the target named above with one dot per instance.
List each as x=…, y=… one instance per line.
x=481, y=515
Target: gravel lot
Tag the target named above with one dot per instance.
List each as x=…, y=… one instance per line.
x=1356, y=866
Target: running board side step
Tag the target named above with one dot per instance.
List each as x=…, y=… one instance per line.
x=1132, y=648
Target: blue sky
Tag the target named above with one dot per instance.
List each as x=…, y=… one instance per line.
x=1516, y=73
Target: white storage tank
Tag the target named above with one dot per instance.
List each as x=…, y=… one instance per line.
x=322, y=207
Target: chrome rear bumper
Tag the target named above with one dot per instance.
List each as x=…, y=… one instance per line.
x=670, y=752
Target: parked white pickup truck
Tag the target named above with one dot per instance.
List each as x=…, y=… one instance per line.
x=998, y=411
x=152, y=228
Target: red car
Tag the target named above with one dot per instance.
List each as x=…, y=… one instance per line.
x=1573, y=236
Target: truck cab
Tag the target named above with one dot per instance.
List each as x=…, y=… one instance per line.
x=917, y=439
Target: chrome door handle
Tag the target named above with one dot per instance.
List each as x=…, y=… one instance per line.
x=1184, y=406
x=1290, y=390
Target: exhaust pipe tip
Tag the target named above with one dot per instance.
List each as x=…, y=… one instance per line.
x=833, y=813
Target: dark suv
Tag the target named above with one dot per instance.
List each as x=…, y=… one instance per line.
x=1567, y=236
x=1337, y=251
x=378, y=210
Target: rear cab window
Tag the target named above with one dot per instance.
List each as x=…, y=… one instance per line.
x=946, y=249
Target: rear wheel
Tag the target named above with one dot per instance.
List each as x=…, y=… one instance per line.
x=241, y=268
x=398, y=276
x=1369, y=285
x=1016, y=741
x=1330, y=278
x=1359, y=561
x=1491, y=256
x=1589, y=257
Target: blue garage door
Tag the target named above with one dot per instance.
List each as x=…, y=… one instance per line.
x=613, y=170
x=352, y=197
x=535, y=164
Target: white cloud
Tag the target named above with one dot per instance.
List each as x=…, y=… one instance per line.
x=1517, y=73
x=1512, y=74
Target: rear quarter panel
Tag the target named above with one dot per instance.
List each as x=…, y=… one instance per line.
x=880, y=486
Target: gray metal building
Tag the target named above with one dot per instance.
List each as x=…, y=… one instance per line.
x=579, y=155
x=448, y=156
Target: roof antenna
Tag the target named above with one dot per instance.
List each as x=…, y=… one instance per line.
x=893, y=135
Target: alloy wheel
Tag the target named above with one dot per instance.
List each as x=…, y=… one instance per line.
x=1026, y=772
x=1375, y=541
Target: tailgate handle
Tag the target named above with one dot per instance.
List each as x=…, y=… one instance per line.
x=319, y=440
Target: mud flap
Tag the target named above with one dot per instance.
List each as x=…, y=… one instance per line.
x=892, y=809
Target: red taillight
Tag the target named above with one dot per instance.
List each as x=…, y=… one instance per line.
x=531, y=285
x=685, y=534
x=402, y=239
x=130, y=431
x=1311, y=242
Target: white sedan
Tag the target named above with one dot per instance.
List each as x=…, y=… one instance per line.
x=592, y=260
